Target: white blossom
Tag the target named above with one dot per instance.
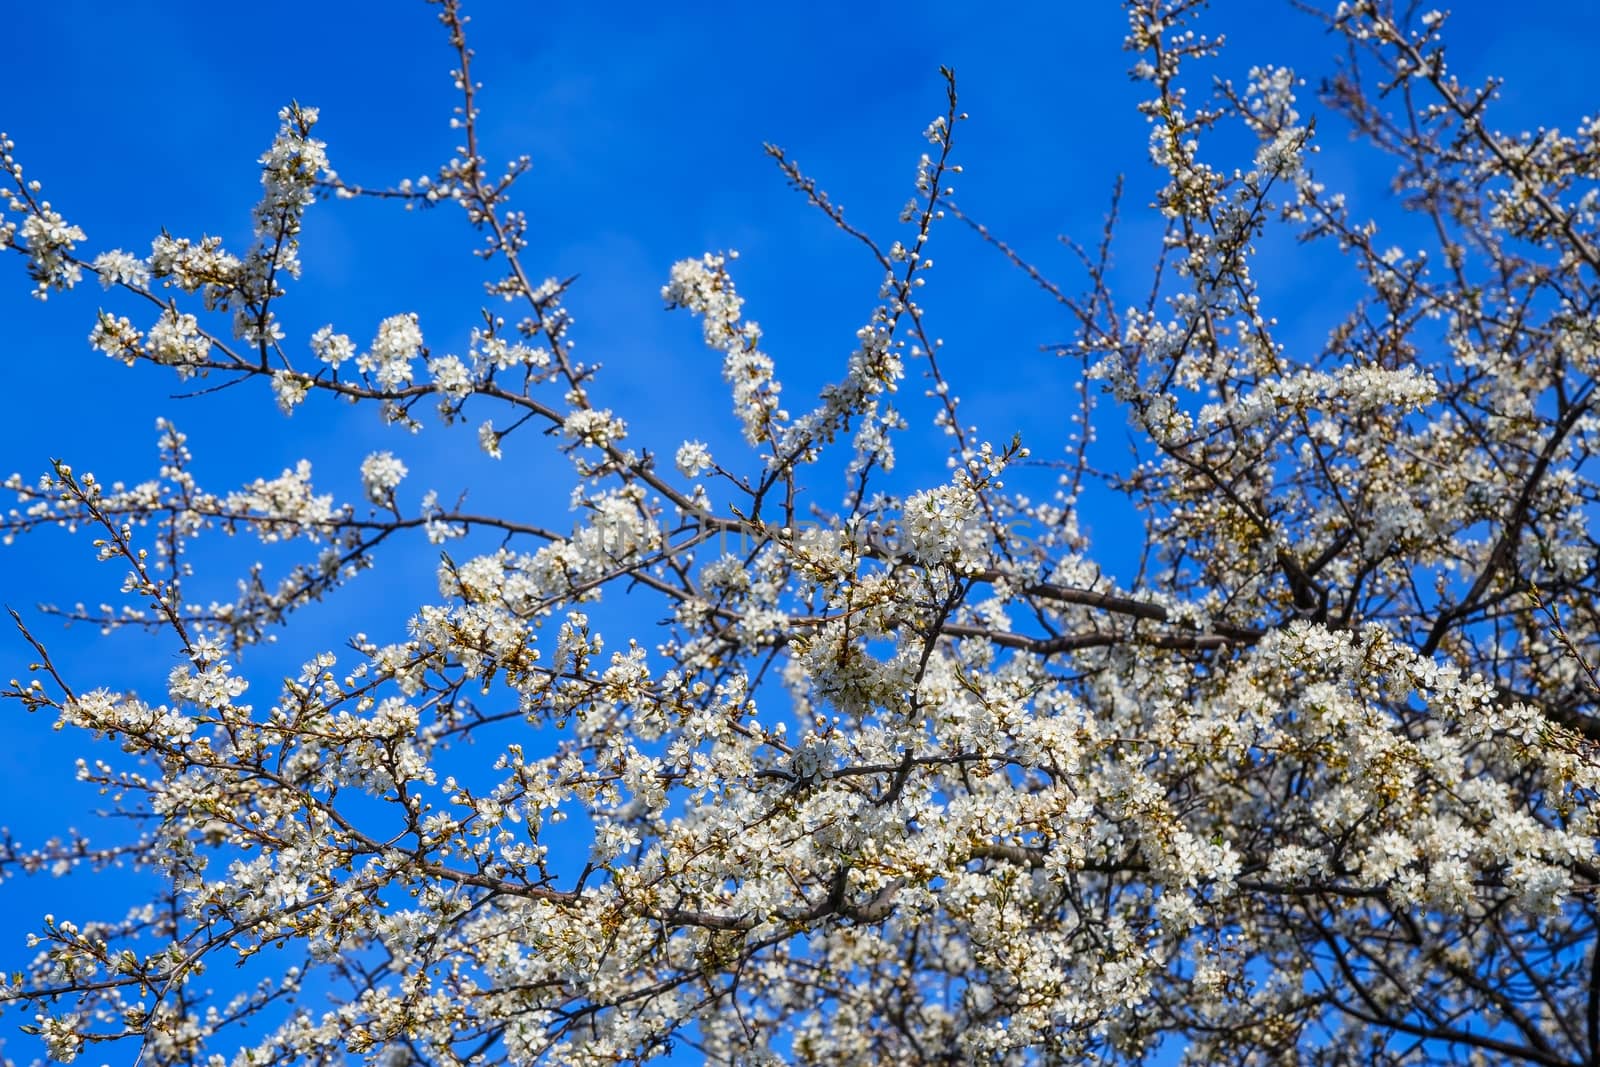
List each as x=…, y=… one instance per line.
x=1240, y=709
x=332, y=348
x=693, y=459
x=121, y=268
x=381, y=472
x=397, y=345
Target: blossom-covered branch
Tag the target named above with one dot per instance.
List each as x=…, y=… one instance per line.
x=903, y=774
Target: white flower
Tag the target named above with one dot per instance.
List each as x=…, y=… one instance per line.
x=438, y=530
x=122, y=268
x=283, y=507
x=289, y=171
x=942, y=526
x=117, y=338
x=503, y=355
x=51, y=240
x=62, y=1038
x=290, y=389
x=192, y=267
x=399, y=341
x=597, y=427
x=451, y=376
x=613, y=839
x=332, y=348
x=381, y=472
x=176, y=339
x=704, y=287
x=488, y=439
x=693, y=458
x=809, y=761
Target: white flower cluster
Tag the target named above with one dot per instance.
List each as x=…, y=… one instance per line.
x=693, y=459
x=284, y=507
x=49, y=240
x=204, y=267
x=117, y=337
x=289, y=173
x=332, y=348
x=489, y=439
x=497, y=352
x=176, y=340
x=705, y=287
x=598, y=428
x=381, y=473
x=122, y=268
x=904, y=775
x=398, y=343
x=451, y=377
x=944, y=527
x=291, y=389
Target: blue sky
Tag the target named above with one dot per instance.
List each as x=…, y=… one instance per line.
x=645, y=124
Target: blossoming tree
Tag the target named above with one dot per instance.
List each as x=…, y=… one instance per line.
x=903, y=777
